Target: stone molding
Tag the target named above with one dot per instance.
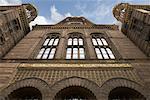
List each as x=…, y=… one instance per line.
x=121, y=82
x=75, y=81
x=41, y=85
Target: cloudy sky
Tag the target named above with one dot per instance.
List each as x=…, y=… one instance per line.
x=53, y=11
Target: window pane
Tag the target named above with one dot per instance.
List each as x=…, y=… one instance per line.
x=68, y=54
x=56, y=42
x=51, y=56
x=99, y=55
x=46, y=53
x=75, y=53
x=104, y=53
x=69, y=41
x=51, y=42
x=81, y=50
x=80, y=41
x=111, y=55
x=69, y=50
x=94, y=41
x=104, y=41
x=40, y=53
x=82, y=55
x=46, y=42
x=75, y=41
x=99, y=42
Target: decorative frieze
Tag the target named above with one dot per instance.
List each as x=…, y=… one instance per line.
x=36, y=65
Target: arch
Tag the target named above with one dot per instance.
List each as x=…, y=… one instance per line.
x=75, y=33
x=125, y=93
x=102, y=46
x=97, y=33
x=75, y=92
x=36, y=83
x=75, y=47
x=75, y=81
x=113, y=83
x=25, y=93
x=53, y=33
x=48, y=47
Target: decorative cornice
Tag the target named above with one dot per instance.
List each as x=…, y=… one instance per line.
x=110, y=27
x=41, y=65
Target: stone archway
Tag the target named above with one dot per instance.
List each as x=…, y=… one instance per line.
x=75, y=93
x=108, y=89
x=125, y=93
x=25, y=93
x=29, y=84
x=78, y=84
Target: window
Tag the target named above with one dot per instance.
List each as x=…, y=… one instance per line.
x=2, y=39
x=102, y=48
x=77, y=23
x=75, y=48
x=48, y=49
x=15, y=25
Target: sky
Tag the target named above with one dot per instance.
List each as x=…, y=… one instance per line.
x=53, y=11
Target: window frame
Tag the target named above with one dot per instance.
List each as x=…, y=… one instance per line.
x=50, y=36
x=103, y=48
x=79, y=45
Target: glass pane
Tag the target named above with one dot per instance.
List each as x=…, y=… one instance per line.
x=75, y=41
x=56, y=42
x=40, y=53
x=111, y=55
x=51, y=56
x=80, y=41
x=98, y=53
x=104, y=41
x=69, y=41
x=104, y=53
x=75, y=50
x=99, y=42
x=51, y=42
x=82, y=55
x=75, y=53
x=81, y=50
x=69, y=50
x=46, y=42
x=94, y=41
x=46, y=53
x=68, y=54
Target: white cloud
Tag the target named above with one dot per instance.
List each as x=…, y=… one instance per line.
x=56, y=16
x=40, y=20
x=97, y=13
x=10, y=2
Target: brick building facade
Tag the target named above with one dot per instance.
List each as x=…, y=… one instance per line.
x=75, y=59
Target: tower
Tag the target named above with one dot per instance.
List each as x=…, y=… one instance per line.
x=14, y=25
x=135, y=23
x=76, y=59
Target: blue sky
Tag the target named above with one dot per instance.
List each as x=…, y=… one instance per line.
x=53, y=11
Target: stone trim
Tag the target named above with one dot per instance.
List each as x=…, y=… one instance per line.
x=41, y=85
x=121, y=82
x=75, y=81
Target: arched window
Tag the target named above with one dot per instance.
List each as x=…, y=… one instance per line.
x=48, y=48
x=75, y=47
x=101, y=46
